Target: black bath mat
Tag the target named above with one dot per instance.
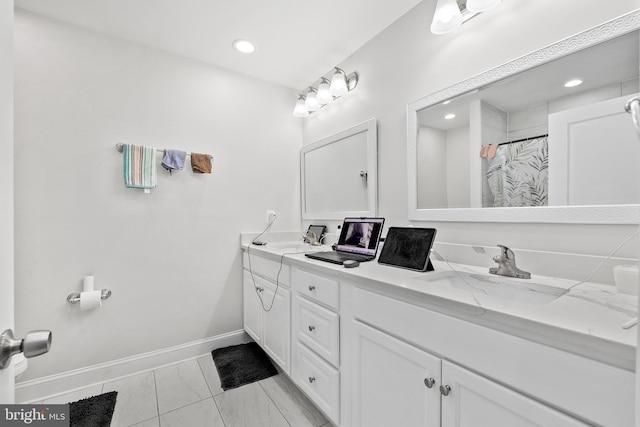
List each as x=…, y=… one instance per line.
x=94, y=411
x=242, y=364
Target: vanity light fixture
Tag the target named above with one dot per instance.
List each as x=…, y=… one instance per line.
x=300, y=110
x=244, y=46
x=449, y=15
x=573, y=83
x=340, y=84
x=479, y=6
x=449, y=116
x=311, y=102
x=324, y=94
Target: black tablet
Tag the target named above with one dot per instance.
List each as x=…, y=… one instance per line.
x=408, y=247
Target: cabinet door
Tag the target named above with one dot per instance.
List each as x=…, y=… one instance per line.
x=394, y=383
x=252, y=307
x=475, y=401
x=276, y=323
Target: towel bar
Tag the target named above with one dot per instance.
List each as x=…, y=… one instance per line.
x=74, y=298
x=160, y=150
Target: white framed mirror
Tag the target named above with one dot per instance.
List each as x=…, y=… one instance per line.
x=339, y=174
x=524, y=148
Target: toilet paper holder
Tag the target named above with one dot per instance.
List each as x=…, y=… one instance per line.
x=74, y=298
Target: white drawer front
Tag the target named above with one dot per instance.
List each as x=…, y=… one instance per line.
x=325, y=291
x=319, y=380
x=272, y=270
x=319, y=329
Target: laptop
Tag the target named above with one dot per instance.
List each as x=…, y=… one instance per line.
x=408, y=247
x=358, y=241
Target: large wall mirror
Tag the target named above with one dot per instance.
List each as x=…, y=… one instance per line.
x=339, y=174
x=527, y=142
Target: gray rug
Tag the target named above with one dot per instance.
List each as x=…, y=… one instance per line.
x=94, y=411
x=242, y=364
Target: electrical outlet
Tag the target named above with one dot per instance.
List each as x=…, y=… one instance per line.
x=271, y=216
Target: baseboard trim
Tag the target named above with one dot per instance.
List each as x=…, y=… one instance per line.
x=45, y=387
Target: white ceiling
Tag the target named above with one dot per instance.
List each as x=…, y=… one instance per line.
x=298, y=40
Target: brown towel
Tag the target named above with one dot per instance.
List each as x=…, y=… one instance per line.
x=201, y=163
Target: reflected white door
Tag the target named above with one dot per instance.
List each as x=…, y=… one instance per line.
x=6, y=188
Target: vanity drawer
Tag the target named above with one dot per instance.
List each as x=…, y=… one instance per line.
x=319, y=380
x=321, y=289
x=272, y=270
x=319, y=329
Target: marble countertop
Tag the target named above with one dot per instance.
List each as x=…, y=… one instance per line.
x=582, y=318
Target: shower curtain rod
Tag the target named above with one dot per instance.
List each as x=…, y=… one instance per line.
x=524, y=139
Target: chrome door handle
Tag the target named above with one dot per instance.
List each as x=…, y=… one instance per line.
x=312, y=380
x=312, y=288
x=34, y=344
x=445, y=390
x=312, y=328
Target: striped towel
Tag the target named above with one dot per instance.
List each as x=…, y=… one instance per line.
x=139, y=166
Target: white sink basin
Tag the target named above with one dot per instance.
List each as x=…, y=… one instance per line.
x=520, y=290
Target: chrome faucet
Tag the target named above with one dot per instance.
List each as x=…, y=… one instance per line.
x=507, y=265
x=311, y=238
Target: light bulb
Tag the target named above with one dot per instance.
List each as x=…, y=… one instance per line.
x=311, y=102
x=324, y=95
x=300, y=110
x=338, y=83
x=446, y=18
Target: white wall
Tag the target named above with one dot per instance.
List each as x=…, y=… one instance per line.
x=172, y=257
x=407, y=62
x=6, y=185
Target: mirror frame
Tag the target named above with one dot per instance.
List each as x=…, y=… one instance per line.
x=606, y=214
x=370, y=127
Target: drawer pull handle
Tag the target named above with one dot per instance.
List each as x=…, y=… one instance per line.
x=312, y=380
x=445, y=390
x=312, y=288
x=312, y=328
x=429, y=382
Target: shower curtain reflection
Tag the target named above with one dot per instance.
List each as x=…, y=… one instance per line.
x=517, y=175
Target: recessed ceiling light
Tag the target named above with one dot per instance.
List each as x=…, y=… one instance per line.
x=573, y=83
x=244, y=46
x=449, y=116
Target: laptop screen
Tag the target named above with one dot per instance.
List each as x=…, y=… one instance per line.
x=360, y=235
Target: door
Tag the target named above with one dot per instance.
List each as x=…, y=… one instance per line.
x=7, y=394
x=277, y=323
x=475, y=401
x=584, y=168
x=394, y=383
x=252, y=312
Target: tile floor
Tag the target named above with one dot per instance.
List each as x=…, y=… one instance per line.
x=188, y=394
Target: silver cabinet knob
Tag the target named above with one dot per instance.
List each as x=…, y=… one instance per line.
x=445, y=390
x=312, y=288
x=34, y=344
x=429, y=382
x=312, y=380
x=312, y=328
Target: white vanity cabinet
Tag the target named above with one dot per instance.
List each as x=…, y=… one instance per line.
x=395, y=383
x=369, y=350
x=267, y=308
x=493, y=378
x=316, y=339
